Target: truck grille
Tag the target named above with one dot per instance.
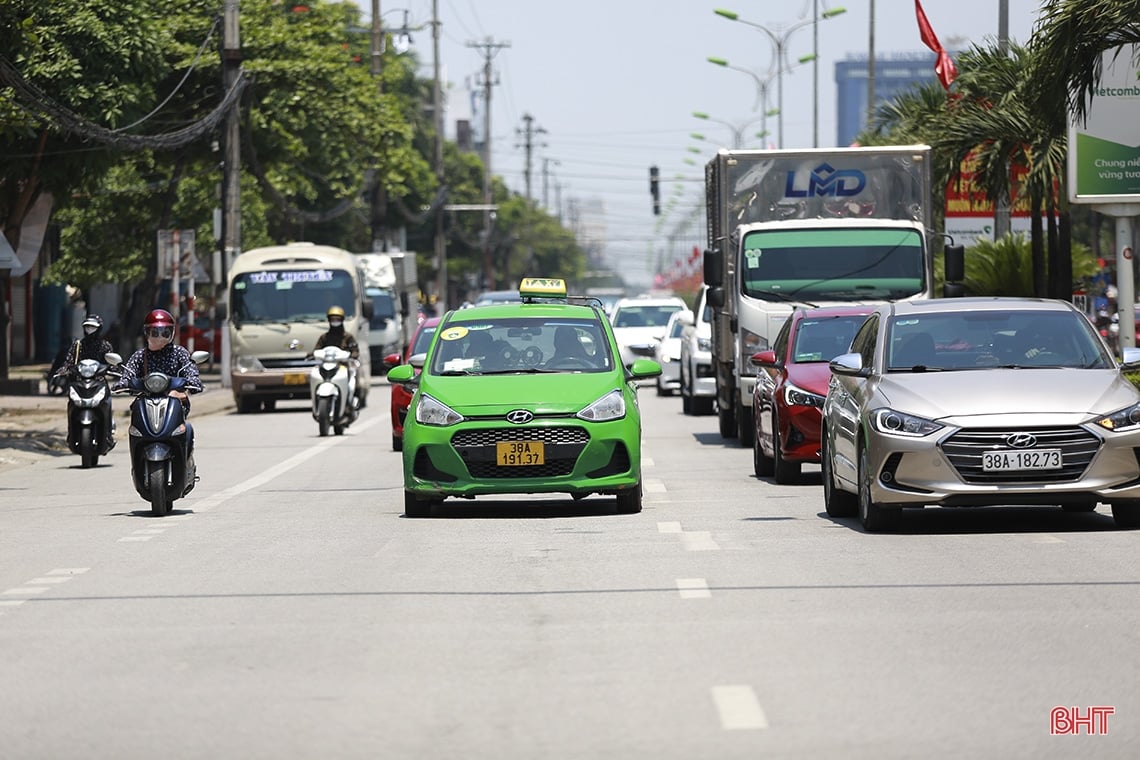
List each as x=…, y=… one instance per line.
x=964, y=449
x=562, y=446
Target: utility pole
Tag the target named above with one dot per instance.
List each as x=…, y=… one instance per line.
x=437, y=119
x=1001, y=203
x=489, y=48
x=379, y=194
x=546, y=162
x=528, y=133
x=871, y=67
x=231, y=184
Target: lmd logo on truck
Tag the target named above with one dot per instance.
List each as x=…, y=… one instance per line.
x=826, y=181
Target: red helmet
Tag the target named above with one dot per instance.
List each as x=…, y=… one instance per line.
x=160, y=318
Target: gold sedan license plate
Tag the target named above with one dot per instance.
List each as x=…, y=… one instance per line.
x=519, y=453
x=1023, y=459
x=296, y=378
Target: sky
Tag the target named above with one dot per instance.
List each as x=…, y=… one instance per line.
x=613, y=84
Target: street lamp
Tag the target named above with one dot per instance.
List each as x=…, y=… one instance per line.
x=737, y=130
x=761, y=89
x=779, y=39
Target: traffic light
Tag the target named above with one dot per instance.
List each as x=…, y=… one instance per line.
x=655, y=189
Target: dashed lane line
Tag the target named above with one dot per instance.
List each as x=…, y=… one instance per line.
x=739, y=708
x=40, y=585
x=693, y=588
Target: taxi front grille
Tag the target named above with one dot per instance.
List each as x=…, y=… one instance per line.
x=964, y=449
x=561, y=448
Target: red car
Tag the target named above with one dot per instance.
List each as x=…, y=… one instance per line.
x=401, y=395
x=791, y=383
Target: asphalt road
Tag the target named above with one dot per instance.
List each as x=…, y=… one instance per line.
x=287, y=609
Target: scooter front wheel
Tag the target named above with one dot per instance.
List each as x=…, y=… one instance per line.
x=87, y=448
x=156, y=480
x=324, y=415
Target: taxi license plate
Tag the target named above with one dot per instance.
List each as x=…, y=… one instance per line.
x=296, y=378
x=519, y=453
x=1020, y=460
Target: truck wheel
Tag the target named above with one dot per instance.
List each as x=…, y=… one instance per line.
x=727, y=421
x=744, y=425
x=246, y=405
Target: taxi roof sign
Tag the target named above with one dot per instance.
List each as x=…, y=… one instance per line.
x=542, y=287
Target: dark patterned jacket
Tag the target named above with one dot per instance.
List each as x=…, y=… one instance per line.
x=172, y=359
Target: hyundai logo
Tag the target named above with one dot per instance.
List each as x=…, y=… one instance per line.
x=1021, y=440
x=519, y=416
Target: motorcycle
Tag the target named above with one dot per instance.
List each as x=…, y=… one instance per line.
x=332, y=382
x=162, y=460
x=90, y=422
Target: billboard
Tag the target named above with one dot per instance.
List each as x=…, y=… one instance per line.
x=1104, y=152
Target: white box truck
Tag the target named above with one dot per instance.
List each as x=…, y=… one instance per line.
x=815, y=227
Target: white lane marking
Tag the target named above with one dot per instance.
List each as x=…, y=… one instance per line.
x=69, y=571
x=148, y=531
x=1045, y=538
x=738, y=707
x=11, y=602
x=136, y=538
x=668, y=527
x=49, y=580
x=26, y=590
x=699, y=541
x=646, y=461
x=267, y=476
x=693, y=588
x=653, y=486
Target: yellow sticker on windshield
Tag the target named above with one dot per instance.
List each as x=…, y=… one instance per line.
x=453, y=333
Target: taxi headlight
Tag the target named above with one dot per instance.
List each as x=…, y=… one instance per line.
x=1125, y=419
x=609, y=407
x=890, y=422
x=432, y=412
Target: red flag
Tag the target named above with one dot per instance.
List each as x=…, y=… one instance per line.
x=944, y=67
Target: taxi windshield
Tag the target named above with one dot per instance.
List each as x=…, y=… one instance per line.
x=521, y=344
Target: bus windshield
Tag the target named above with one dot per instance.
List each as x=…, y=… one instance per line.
x=833, y=265
x=291, y=295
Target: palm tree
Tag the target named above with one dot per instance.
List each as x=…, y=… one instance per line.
x=993, y=117
x=1071, y=37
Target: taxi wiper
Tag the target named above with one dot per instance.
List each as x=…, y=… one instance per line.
x=520, y=370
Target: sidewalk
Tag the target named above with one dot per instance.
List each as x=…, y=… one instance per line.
x=34, y=426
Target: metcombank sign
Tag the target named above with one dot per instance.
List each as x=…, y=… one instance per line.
x=1104, y=153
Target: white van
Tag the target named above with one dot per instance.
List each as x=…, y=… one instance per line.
x=698, y=379
x=277, y=305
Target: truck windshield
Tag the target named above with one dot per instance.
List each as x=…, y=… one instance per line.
x=291, y=295
x=833, y=264
x=383, y=307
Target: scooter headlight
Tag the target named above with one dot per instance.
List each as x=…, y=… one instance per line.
x=87, y=368
x=156, y=383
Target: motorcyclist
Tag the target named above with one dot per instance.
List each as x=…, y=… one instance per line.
x=337, y=336
x=162, y=354
x=91, y=346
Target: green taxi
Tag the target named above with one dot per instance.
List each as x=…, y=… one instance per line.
x=519, y=398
